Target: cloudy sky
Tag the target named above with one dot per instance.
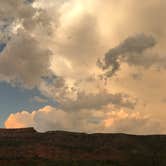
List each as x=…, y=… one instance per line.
x=83, y=65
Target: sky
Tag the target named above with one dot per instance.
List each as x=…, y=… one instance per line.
x=83, y=65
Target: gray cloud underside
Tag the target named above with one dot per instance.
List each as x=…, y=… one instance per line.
x=25, y=64
x=97, y=101
x=132, y=51
x=24, y=60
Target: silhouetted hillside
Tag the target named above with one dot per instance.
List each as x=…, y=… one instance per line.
x=28, y=147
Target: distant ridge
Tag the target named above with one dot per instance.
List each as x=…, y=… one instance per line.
x=24, y=145
x=19, y=130
x=33, y=130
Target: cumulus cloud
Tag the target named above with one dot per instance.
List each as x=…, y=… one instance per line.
x=126, y=122
x=24, y=61
x=20, y=120
x=54, y=46
x=97, y=101
x=49, y=118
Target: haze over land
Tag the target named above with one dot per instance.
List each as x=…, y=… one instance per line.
x=83, y=65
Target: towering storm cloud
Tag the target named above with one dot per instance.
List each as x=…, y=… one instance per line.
x=54, y=46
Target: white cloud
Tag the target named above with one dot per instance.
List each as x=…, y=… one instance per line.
x=49, y=118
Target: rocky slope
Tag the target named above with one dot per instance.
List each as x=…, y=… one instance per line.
x=21, y=146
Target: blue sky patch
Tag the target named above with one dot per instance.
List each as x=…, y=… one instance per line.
x=2, y=46
x=14, y=99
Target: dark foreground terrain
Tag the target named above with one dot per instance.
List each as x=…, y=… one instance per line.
x=26, y=147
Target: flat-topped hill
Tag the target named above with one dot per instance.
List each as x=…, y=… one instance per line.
x=21, y=146
x=20, y=130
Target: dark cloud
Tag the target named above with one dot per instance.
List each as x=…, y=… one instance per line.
x=21, y=10
x=131, y=51
x=97, y=101
x=16, y=15
x=24, y=61
x=136, y=76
